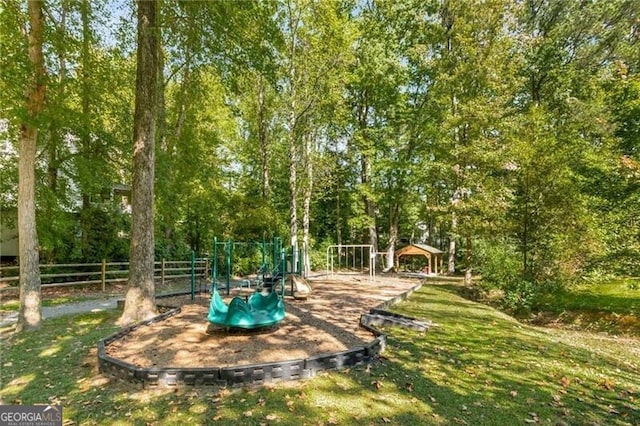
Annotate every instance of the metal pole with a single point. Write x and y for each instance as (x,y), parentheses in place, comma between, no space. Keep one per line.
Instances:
(214,272)
(353,252)
(228,262)
(193,275)
(372,267)
(284,269)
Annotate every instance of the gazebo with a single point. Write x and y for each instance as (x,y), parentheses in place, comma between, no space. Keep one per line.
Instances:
(433,255)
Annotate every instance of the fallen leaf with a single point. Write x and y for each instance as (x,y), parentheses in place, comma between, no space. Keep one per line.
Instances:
(513,393)
(386,420)
(248,413)
(271,417)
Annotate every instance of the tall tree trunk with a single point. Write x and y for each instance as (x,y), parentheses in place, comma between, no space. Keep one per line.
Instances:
(451,267)
(163,153)
(161,123)
(55,143)
(370,206)
(306,219)
(262,140)
(338,218)
(365,178)
(30,313)
(85,136)
(169,148)
(394,218)
(293,157)
(468,262)
(293,190)
(140,298)
(447,21)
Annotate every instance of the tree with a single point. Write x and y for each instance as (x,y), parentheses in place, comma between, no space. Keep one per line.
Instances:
(140,297)
(30,314)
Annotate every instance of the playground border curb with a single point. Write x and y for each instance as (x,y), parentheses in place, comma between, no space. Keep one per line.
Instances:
(245,375)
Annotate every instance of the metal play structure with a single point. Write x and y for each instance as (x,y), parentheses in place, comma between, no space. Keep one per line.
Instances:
(264,262)
(359,258)
(263,304)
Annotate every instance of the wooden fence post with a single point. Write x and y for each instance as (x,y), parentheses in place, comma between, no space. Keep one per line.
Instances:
(162,274)
(104,275)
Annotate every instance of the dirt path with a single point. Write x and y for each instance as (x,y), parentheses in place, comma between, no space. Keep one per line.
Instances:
(10,318)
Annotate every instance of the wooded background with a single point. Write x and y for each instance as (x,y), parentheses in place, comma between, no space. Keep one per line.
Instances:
(505,133)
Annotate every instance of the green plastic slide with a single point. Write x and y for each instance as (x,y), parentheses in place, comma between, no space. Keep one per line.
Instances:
(260,311)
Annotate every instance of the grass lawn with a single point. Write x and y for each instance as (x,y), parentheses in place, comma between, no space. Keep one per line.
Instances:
(612,306)
(478,367)
(619,295)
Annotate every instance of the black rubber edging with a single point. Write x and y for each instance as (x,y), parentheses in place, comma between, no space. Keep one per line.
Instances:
(241,375)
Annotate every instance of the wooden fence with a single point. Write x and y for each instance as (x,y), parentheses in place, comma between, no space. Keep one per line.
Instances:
(79,274)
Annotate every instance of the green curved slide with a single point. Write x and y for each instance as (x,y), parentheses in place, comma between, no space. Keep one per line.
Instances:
(259,311)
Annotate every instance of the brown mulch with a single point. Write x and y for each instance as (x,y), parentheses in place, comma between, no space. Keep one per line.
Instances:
(326,322)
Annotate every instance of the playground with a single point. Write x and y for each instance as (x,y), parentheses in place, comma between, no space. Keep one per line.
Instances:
(326,322)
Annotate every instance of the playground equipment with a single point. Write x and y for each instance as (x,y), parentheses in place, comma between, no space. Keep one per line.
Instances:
(265,263)
(261,310)
(300,287)
(264,303)
(269,262)
(359,258)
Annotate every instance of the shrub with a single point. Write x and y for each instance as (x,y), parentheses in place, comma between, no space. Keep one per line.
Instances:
(500,268)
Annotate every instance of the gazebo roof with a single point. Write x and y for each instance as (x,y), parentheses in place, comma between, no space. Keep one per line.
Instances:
(428,248)
(418,249)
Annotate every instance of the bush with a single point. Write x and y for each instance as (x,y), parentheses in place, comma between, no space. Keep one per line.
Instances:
(498,264)
(500,268)
(520,296)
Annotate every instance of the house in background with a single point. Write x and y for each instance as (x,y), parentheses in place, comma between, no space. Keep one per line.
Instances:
(8,236)
(116,194)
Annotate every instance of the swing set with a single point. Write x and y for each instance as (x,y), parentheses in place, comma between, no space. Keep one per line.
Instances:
(355,258)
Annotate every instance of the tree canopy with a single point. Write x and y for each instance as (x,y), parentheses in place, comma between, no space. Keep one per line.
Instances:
(488,129)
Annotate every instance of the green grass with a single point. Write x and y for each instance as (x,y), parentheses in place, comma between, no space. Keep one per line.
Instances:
(612,307)
(621,296)
(478,367)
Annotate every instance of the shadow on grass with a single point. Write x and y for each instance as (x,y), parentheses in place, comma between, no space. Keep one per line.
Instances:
(477,367)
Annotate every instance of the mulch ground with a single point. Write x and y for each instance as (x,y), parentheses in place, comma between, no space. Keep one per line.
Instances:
(328,321)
